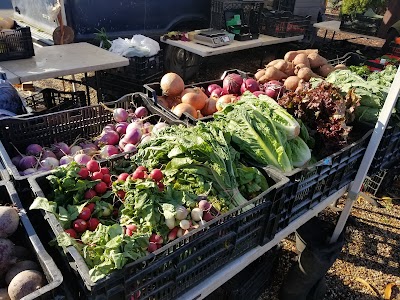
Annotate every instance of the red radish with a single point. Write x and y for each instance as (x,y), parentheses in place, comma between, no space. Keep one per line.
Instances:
(106,178)
(232,83)
(83,173)
(123,176)
(109,138)
(133,136)
(65,160)
(207,216)
(100,188)
(104,170)
(132,227)
(120,128)
(141,168)
(211,88)
(79,225)
(141,112)
(156,175)
(82,159)
(91,205)
(75,149)
(93,223)
(130,148)
(155,238)
(120,115)
(33,149)
(172,234)
(93,166)
(27,162)
(128,232)
(250,85)
(108,151)
(152,247)
(89,194)
(218,92)
(85,214)
(60,149)
(72,233)
(121,194)
(161,186)
(204,205)
(97,176)
(138,174)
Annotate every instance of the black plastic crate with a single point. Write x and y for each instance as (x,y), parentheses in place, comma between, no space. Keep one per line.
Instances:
(179,265)
(66,126)
(309,186)
(360,24)
(249,10)
(152,90)
(394,49)
(283,24)
(16,43)
(27,237)
(51,100)
(140,69)
(285,5)
(251,282)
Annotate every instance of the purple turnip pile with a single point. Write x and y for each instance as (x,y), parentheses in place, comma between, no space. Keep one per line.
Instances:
(129,130)
(18,275)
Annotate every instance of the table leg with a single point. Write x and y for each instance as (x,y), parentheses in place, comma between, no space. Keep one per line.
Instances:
(87,89)
(333,36)
(323,41)
(98,86)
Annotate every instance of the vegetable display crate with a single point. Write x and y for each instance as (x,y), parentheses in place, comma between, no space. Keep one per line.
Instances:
(26,236)
(179,265)
(251,282)
(311,185)
(153,90)
(16,43)
(51,100)
(140,69)
(249,12)
(66,126)
(283,24)
(360,24)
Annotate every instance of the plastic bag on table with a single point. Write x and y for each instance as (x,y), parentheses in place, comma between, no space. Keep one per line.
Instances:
(138,46)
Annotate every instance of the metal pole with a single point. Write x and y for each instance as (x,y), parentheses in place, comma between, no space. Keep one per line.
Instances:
(380,127)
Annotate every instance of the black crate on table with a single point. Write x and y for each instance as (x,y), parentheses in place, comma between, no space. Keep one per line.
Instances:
(16,43)
(51,100)
(152,90)
(26,236)
(360,24)
(251,282)
(140,69)
(66,126)
(249,10)
(309,186)
(283,24)
(179,265)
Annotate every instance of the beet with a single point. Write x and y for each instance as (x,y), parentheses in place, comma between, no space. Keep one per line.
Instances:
(6,255)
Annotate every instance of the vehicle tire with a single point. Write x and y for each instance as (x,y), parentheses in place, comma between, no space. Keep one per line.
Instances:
(174,62)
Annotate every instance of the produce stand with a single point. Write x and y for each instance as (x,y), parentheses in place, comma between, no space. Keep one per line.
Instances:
(62,60)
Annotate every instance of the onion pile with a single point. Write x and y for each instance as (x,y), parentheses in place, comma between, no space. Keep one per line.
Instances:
(125,135)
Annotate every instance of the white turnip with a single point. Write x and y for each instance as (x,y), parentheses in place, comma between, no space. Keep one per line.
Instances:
(184,224)
(82,159)
(196,214)
(50,162)
(181,212)
(9,220)
(159,126)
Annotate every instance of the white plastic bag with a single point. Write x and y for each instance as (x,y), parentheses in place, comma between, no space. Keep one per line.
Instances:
(138,46)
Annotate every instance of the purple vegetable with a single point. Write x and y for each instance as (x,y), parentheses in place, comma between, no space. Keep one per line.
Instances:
(108,138)
(120,128)
(141,112)
(89,149)
(61,149)
(145,139)
(43,169)
(16,159)
(147,127)
(33,149)
(75,149)
(159,126)
(138,124)
(122,144)
(65,160)
(133,136)
(108,151)
(82,159)
(109,127)
(130,148)
(48,153)
(28,171)
(120,115)
(27,162)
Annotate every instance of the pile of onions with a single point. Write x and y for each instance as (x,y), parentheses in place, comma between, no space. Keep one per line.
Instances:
(273,89)
(232,84)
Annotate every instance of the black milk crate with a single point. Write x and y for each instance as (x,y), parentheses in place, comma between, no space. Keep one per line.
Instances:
(51,100)
(360,24)
(249,10)
(309,186)
(283,24)
(152,90)
(285,5)
(65,126)
(16,43)
(140,69)
(26,236)
(179,265)
(251,282)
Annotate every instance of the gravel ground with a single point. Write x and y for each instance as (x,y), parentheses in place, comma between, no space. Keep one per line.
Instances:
(371,251)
